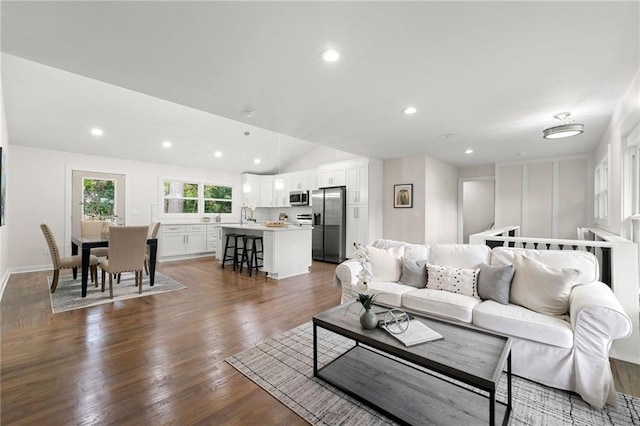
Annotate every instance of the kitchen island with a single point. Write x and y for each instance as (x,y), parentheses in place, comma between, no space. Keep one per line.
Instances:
(287,250)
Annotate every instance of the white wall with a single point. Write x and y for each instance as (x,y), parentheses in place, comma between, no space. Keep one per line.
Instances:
(317,156)
(404,224)
(441,202)
(546,198)
(39,194)
(4,230)
(624,118)
(478,204)
(433,218)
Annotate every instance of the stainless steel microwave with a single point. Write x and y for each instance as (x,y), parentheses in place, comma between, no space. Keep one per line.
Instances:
(299,198)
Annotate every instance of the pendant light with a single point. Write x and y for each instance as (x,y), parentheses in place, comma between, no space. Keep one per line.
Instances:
(566,128)
(279,182)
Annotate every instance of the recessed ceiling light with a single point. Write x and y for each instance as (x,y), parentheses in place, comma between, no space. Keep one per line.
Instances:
(446,135)
(329,55)
(410,110)
(468,151)
(247,133)
(256,161)
(218,154)
(521,154)
(97,132)
(166,144)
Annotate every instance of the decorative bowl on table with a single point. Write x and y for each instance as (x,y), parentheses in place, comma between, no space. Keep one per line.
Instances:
(206,219)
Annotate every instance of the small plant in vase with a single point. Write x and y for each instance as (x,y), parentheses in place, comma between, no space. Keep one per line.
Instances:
(368,319)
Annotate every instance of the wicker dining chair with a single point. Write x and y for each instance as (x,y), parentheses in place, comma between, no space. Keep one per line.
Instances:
(65,262)
(126,254)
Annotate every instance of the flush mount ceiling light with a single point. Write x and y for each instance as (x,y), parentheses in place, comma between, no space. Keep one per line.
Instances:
(97,132)
(218,154)
(468,151)
(166,144)
(567,127)
(410,110)
(329,55)
(256,161)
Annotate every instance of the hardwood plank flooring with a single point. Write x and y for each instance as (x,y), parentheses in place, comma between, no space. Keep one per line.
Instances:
(160,359)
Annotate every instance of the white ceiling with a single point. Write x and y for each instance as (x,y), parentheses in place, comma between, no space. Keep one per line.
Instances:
(492,74)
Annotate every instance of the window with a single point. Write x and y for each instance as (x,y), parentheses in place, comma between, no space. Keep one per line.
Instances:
(601,191)
(180,197)
(217,199)
(98,199)
(185,197)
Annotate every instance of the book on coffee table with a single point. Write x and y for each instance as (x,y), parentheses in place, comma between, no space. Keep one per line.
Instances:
(415,334)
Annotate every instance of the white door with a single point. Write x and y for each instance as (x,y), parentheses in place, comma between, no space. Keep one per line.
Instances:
(97,196)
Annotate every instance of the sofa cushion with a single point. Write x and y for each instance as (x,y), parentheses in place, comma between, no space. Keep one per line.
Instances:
(457,280)
(440,303)
(459,255)
(521,322)
(542,288)
(586,263)
(414,272)
(494,282)
(389,293)
(416,252)
(385,263)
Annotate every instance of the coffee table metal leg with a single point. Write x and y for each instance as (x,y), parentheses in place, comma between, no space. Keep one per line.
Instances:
(315,351)
(508,386)
(492,408)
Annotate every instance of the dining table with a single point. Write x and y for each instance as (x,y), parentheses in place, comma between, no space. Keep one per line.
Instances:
(86,243)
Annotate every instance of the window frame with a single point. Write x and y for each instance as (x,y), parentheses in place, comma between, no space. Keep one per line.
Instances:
(601,180)
(221,200)
(200,199)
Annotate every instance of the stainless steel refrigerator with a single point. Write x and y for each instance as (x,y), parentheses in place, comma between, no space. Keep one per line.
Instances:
(329,207)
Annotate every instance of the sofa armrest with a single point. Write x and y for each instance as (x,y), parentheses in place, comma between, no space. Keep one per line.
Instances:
(594,309)
(597,318)
(347,274)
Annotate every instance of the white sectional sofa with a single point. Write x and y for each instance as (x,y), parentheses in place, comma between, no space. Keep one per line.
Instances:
(566,350)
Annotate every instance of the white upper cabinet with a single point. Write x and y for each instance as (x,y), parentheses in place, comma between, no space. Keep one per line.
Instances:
(251,186)
(299,181)
(358,183)
(266,191)
(281,196)
(332,175)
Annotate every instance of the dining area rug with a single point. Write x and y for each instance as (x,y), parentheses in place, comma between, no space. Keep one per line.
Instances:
(68,295)
(283,366)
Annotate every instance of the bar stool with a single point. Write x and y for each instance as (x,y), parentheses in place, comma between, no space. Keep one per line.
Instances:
(238,251)
(250,253)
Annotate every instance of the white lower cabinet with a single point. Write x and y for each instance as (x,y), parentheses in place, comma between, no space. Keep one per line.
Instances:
(179,240)
(357,227)
(212,238)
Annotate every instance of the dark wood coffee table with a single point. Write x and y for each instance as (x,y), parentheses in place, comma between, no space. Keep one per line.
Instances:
(408,394)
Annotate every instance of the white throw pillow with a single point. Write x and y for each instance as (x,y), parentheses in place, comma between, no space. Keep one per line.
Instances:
(385,263)
(542,288)
(456,280)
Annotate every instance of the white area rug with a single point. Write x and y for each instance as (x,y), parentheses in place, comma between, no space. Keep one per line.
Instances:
(283,366)
(68,295)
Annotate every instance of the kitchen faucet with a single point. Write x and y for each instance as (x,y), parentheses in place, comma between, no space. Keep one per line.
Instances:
(243,215)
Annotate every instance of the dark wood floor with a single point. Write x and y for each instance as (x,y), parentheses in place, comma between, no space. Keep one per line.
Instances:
(160,359)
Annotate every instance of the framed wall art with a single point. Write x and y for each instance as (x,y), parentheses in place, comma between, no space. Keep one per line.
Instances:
(403,195)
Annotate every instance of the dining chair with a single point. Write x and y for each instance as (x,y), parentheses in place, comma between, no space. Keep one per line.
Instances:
(93,228)
(65,262)
(126,254)
(153,233)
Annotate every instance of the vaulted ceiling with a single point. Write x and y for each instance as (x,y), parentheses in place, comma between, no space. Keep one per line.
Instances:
(483,75)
